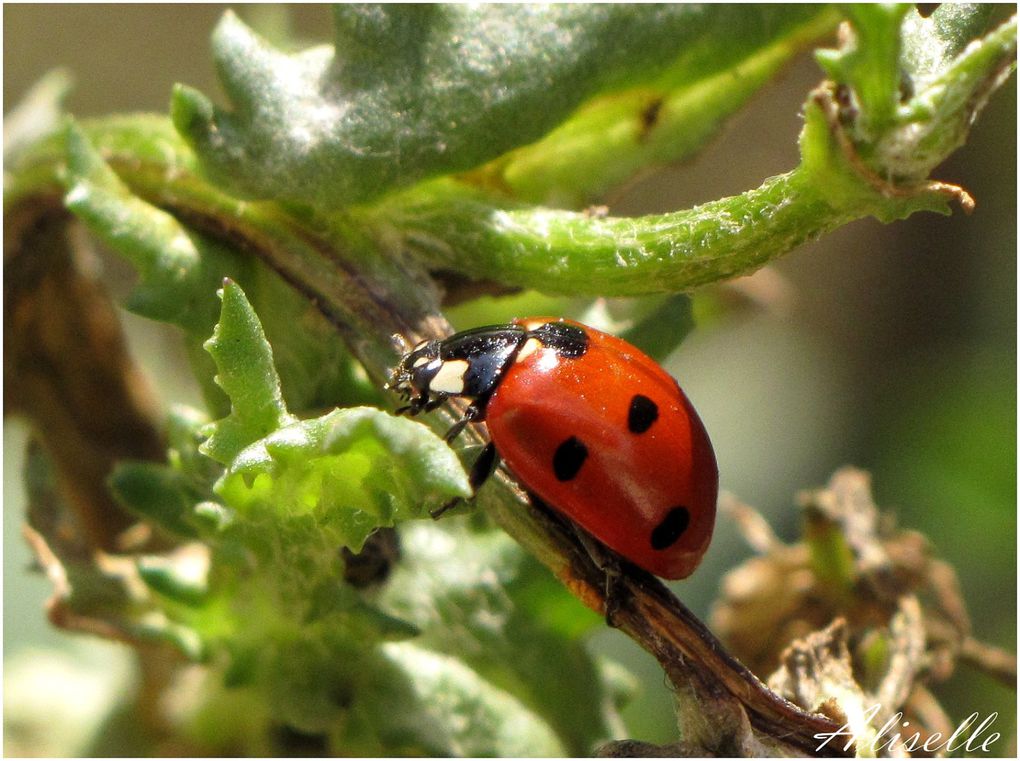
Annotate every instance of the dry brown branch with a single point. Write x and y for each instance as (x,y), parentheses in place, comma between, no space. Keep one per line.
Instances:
(898,611)
(66,366)
(723,708)
(816,671)
(991,660)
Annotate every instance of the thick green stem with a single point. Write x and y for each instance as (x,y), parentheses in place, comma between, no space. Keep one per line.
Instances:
(562,252)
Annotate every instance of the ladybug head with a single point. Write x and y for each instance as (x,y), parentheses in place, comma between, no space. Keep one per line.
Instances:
(412,377)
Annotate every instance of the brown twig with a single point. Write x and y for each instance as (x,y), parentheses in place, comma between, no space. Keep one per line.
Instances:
(66,365)
(906,646)
(989,659)
(58,611)
(928,714)
(745,711)
(751,524)
(906,619)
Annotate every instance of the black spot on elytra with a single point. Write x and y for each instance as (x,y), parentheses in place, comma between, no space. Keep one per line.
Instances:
(671,528)
(568,459)
(642,413)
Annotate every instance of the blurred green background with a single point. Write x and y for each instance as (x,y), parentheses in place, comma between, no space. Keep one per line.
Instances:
(892,348)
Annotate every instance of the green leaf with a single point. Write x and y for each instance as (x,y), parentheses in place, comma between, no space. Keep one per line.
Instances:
(343,475)
(667,119)
(930,44)
(364,621)
(316,369)
(157,493)
(157,628)
(832,560)
(137,145)
(470,716)
(184,427)
(180,269)
(453,227)
(947,100)
(869,162)
(661,330)
(414,91)
(181,577)
(478,598)
(213,517)
(247,375)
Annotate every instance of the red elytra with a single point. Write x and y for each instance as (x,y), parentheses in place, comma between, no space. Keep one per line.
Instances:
(610,440)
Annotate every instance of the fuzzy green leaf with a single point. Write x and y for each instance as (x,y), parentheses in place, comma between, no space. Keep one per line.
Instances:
(316,369)
(466,715)
(948,98)
(478,598)
(247,374)
(667,119)
(180,269)
(344,474)
(413,91)
(157,493)
(173,578)
(930,44)
(559,252)
(883,174)
(136,144)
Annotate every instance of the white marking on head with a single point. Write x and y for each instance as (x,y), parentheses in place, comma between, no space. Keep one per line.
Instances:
(449,379)
(422,361)
(535,324)
(530,347)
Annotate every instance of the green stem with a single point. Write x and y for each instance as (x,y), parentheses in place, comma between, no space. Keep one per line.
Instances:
(450,226)
(564,252)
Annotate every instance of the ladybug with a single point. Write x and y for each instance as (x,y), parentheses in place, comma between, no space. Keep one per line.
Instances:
(588,423)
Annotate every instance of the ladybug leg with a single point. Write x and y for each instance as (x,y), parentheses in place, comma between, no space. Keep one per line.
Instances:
(614,592)
(421,404)
(603,558)
(474,413)
(609,564)
(434,403)
(484,466)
